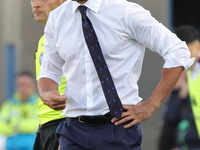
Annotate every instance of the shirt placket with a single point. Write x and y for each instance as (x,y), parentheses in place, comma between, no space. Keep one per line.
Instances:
(89,83)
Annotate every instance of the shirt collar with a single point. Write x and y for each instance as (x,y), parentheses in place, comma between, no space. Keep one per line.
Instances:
(94,5)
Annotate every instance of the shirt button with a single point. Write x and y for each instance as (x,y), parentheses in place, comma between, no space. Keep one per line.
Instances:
(89,80)
(89,100)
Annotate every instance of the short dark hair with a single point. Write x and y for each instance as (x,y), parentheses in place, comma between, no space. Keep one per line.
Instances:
(25,73)
(187,33)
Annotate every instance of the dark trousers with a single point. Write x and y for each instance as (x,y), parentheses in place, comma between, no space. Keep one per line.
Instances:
(46,137)
(74,135)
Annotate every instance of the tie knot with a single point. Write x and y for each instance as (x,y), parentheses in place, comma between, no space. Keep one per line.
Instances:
(82,9)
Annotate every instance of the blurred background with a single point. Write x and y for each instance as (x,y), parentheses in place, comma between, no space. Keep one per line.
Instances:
(19,35)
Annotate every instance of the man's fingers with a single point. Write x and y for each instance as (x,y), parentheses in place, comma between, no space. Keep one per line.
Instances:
(134,114)
(132,123)
(57,99)
(58,107)
(126,119)
(114,120)
(124,114)
(56,103)
(126,107)
(64,98)
(123,120)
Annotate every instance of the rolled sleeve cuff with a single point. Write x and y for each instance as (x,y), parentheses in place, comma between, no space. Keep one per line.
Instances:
(54,78)
(174,62)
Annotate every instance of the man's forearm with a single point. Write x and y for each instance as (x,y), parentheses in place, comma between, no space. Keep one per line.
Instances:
(46,85)
(169,79)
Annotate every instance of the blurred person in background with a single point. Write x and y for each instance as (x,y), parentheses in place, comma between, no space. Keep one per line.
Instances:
(50,118)
(180,121)
(19,119)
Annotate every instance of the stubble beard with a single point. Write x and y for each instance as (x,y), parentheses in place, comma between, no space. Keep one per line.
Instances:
(78,0)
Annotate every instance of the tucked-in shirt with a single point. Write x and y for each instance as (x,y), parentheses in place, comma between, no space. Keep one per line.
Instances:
(124,30)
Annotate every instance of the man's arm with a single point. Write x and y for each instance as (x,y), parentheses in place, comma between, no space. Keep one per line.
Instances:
(48,92)
(143,110)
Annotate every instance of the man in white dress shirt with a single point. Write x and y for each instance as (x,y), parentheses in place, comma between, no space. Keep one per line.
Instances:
(124,30)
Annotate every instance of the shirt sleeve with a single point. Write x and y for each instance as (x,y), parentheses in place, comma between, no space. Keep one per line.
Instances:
(155,36)
(52,63)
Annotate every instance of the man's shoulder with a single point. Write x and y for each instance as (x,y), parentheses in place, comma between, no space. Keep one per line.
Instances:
(120,2)
(66,6)
(123,5)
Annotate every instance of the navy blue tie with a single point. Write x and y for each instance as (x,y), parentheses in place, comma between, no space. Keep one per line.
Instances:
(103,72)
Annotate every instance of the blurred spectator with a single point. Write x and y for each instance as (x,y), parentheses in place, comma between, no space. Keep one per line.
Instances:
(179,130)
(19,119)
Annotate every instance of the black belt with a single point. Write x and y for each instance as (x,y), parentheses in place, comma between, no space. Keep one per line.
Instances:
(101,119)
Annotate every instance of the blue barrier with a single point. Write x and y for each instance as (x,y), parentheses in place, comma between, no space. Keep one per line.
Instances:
(10,70)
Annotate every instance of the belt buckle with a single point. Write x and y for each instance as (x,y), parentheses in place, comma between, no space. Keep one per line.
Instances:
(79,119)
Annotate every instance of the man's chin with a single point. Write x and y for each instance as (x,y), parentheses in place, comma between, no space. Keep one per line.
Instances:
(78,0)
(39,19)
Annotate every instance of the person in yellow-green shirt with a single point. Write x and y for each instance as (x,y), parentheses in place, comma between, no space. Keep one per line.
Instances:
(18,115)
(50,118)
(181,124)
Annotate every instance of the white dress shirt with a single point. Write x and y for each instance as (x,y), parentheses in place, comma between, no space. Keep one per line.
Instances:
(124,30)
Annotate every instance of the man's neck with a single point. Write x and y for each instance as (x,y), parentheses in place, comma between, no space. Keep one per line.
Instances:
(81,1)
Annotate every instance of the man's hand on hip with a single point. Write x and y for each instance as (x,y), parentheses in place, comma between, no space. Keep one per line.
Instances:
(137,113)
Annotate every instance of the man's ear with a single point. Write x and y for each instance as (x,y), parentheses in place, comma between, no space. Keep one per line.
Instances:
(199,46)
